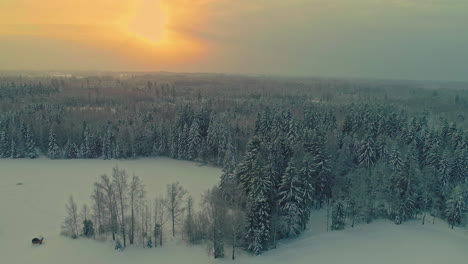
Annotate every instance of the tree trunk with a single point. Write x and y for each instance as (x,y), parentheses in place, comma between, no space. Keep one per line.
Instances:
(160,236)
(132,226)
(123,221)
(173,222)
(328,214)
(423,218)
(233,246)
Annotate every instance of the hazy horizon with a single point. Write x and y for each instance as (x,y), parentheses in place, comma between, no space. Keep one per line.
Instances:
(362,39)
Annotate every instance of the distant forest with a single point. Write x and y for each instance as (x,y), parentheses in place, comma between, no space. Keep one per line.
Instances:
(365,149)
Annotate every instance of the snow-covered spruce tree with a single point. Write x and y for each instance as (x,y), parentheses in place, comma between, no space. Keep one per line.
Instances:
(395,159)
(323,176)
(280,155)
(149,243)
(71,150)
(403,189)
(306,177)
(246,171)
(91,147)
(31,148)
(228,184)
(367,154)
(366,159)
(53,151)
(88,228)
(195,140)
(382,149)
(118,245)
(460,167)
(338,215)
(258,187)
(108,143)
(14,154)
(445,169)
(148,139)
(258,222)
(259,215)
(290,201)
(5,145)
(456,205)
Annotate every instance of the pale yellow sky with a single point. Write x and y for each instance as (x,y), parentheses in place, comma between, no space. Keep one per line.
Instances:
(412,39)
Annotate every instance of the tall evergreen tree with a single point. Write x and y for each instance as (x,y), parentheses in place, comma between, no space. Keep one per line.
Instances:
(323,177)
(14,154)
(338,216)
(257,185)
(456,206)
(306,177)
(405,196)
(108,143)
(290,201)
(5,145)
(31,148)
(195,140)
(53,151)
(445,169)
(71,150)
(367,155)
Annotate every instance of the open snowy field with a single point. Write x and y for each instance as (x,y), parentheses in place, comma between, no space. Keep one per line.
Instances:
(37,207)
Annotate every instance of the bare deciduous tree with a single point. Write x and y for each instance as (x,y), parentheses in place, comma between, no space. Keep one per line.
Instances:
(215,208)
(120,182)
(159,220)
(98,208)
(71,224)
(175,194)
(136,194)
(110,202)
(235,223)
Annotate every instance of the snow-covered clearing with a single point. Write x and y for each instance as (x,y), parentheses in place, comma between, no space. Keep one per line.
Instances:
(37,207)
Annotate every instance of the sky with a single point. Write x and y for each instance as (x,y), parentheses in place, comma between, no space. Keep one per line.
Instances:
(384,39)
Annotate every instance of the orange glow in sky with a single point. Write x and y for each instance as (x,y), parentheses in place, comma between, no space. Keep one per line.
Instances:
(417,39)
(142,30)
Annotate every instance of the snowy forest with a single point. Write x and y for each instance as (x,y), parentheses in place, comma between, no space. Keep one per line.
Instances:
(361,149)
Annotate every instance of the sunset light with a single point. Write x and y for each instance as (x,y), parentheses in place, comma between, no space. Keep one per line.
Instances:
(148,22)
(294,37)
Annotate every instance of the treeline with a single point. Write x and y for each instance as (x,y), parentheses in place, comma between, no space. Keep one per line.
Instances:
(12,91)
(195,135)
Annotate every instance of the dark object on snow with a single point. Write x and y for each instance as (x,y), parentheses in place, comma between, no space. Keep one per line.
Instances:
(37,241)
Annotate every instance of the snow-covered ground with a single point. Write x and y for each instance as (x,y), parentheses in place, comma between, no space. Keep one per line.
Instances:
(37,207)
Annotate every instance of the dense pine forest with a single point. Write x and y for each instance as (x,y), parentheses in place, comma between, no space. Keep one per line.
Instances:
(361,149)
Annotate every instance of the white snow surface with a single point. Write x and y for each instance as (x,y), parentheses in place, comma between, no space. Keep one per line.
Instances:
(37,207)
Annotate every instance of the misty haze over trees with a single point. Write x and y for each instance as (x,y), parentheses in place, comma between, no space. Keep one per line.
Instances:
(362,150)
